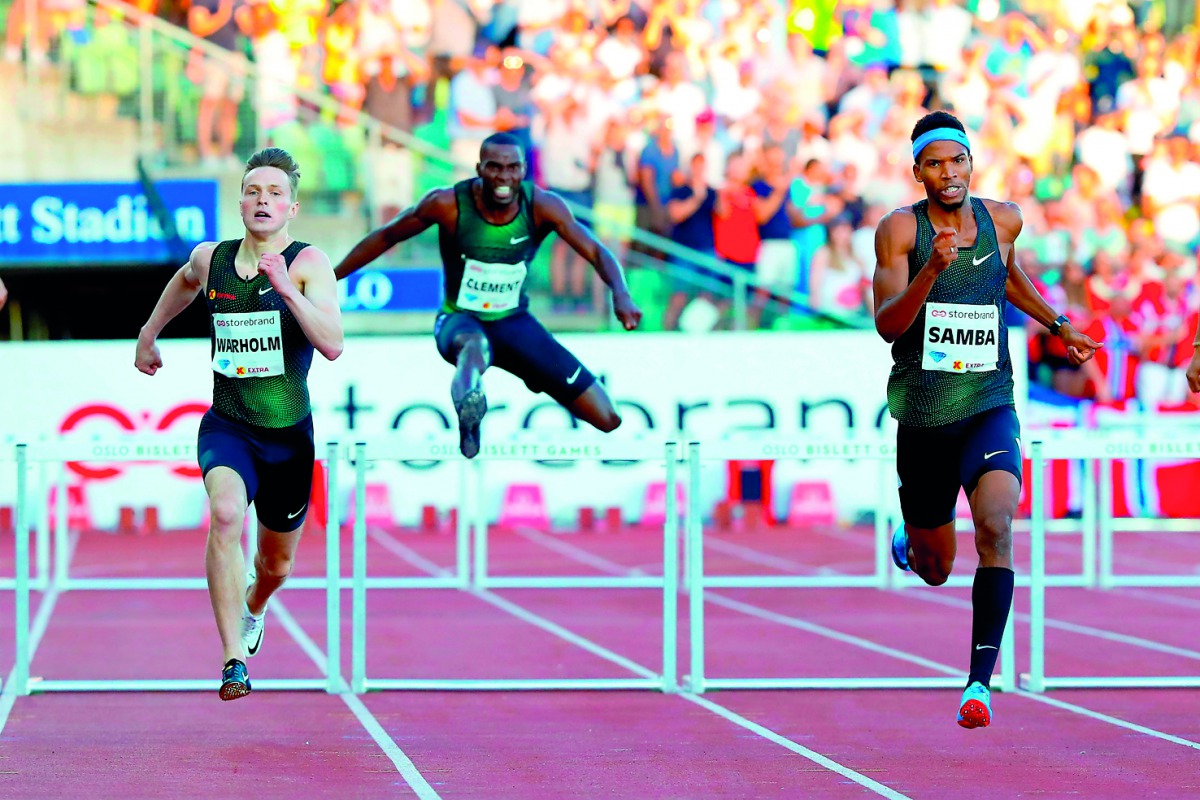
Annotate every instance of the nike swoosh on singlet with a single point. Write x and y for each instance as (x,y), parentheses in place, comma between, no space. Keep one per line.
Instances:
(511,240)
(264,291)
(978,261)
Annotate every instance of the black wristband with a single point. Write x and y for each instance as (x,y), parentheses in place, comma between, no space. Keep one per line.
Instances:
(1056,326)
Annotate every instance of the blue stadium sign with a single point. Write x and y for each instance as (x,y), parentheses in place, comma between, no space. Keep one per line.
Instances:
(54,224)
(408,289)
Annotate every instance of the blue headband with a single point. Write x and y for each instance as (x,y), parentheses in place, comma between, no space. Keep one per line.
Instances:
(939,135)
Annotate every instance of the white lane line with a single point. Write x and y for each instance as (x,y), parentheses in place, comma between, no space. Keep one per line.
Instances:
(37,629)
(1087,712)
(854,640)
(578,554)
(798,749)
(710,706)
(396,548)
(404,765)
(829,633)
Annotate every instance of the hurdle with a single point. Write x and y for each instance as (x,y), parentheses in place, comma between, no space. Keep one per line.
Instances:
(881,450)
(473,525)
(144,449)
(41,581)
(1101,448)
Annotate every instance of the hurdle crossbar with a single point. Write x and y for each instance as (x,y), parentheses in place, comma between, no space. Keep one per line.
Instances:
(1103,448)
(142,449)
(877,449)
(471,569)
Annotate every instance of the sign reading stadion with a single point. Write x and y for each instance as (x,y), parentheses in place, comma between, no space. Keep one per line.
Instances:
(97,223)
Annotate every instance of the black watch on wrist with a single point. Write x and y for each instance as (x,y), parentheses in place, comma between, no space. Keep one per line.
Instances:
(1056,326)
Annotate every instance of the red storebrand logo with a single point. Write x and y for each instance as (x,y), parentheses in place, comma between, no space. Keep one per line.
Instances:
(936,313)
(126,423)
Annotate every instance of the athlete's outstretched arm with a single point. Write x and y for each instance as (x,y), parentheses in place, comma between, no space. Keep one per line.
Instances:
(1024,295)
(310,291)
(434,208)
(551,208)
(179,293)
(898,300)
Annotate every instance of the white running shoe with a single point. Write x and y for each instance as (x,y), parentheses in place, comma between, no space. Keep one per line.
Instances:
(252,626)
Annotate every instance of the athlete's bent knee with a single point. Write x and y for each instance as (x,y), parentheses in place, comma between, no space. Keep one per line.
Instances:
(278,567)
(993,536)
(608,420)
(227,517)
(933,570)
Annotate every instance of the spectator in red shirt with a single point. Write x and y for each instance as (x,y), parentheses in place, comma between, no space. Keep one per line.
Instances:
(1162,315)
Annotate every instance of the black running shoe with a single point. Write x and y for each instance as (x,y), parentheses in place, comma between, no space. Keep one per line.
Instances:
(470,414)
(235,681)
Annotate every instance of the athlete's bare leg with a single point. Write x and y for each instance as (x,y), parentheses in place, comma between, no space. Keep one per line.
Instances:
(472,355)
(993,504)
(272,565)
(931,552)
(596,408)
(223,561)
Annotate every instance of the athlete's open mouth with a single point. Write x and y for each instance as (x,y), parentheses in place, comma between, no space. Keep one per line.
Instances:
(262,215)
(503,192)
(951,193)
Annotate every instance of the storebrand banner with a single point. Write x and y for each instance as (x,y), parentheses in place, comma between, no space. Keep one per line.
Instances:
(769,386)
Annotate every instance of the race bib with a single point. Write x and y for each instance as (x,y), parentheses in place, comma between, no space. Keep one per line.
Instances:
(248,345)
(961,338)
(490,287)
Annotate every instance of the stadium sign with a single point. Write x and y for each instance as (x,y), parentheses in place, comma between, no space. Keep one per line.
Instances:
(55,224)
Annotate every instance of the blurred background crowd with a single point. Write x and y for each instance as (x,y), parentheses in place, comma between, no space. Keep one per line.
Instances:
(773,136)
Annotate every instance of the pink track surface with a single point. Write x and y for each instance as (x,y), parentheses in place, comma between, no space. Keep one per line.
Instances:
(611,744)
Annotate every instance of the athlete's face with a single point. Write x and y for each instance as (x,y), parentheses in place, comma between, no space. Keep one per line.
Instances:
(267,204)
(945,169)
(501,168)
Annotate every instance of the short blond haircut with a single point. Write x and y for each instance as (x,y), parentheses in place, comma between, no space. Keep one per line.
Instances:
(280,159)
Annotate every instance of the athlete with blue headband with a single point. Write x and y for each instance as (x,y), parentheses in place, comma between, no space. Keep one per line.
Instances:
(945,270)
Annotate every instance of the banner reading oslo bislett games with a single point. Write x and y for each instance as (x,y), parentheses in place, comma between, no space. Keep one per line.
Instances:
(98,223)
(780,384)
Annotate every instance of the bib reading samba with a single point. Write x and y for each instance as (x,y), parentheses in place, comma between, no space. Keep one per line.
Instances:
(248,345)
(490,287)
(960,338)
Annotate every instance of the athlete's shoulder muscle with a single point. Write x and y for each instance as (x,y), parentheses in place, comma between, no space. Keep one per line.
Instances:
(1006,216)
(438,206)
(311,259)
(549,207)
(895,236)
(197,267)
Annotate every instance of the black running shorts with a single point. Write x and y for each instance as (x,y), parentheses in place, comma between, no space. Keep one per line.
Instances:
(276,464)
(520,345)
(932,463)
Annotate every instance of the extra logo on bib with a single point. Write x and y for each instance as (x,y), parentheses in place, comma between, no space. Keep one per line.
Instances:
(490,287)
(248,345)
(960,338)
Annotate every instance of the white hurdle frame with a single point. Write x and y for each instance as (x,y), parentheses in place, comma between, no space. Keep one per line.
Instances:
(1103,448)
(41,581)
(472,520)
(880,449)
(129,449)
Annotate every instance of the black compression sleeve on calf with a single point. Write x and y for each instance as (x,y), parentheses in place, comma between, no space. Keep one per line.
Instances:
(991,599)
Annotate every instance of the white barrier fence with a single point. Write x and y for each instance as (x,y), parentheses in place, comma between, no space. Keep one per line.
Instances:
(129,450)
(473,521)
(471,571)
(1102,449)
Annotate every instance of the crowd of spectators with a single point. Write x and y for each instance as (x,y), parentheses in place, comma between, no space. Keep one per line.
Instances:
(775,137)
